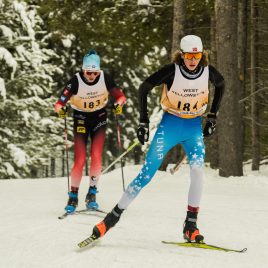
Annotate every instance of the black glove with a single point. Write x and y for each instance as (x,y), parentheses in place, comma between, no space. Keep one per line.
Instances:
(210,126)
(143,132)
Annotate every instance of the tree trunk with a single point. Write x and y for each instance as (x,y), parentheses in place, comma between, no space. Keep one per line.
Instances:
(52,167)
(241,57)
(253,85)
(212,142)
(46,171)
(179,9)
(229,122)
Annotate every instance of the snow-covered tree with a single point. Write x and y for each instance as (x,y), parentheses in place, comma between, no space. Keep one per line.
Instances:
(144,2)
(26,71)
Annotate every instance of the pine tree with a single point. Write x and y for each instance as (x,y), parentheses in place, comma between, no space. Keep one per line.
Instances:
(26,78)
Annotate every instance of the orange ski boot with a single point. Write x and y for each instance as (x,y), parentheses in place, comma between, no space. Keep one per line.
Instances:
(190,231)
(108,222)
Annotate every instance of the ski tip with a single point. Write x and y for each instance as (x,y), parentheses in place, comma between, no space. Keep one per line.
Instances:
(63,216)
(166,242)
(90,241)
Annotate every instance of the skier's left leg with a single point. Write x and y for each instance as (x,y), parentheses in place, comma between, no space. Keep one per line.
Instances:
(195,150)
(164,139)
(97,129)
(97,134)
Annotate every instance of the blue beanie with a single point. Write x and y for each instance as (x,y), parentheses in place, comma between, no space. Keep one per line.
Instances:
(91,61)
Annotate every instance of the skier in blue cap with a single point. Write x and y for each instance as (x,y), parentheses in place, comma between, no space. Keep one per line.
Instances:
(88,92)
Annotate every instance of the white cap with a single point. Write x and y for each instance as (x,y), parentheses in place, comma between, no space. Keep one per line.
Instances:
(191,43)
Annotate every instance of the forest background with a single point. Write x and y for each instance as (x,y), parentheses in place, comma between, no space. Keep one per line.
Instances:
(42,44)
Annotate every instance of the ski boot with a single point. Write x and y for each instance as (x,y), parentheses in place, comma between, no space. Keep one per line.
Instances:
(72,202)
(190,230)
(108,222)
(91,198)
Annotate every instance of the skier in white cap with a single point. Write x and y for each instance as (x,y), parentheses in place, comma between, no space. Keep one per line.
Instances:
(184,100)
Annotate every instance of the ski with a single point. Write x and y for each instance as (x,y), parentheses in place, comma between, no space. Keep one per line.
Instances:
(204,246)
(91,210)
(178,165)
(90,241)
(82,211)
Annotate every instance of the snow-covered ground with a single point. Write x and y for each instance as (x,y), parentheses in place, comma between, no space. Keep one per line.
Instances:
(234,213)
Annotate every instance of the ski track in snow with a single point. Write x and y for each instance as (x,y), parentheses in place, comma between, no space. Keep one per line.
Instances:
(233,214)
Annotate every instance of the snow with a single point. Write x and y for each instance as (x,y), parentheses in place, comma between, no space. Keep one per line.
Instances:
(8,58)
(134,78)
(46,122)
(144,2)
(67,41)
(26,115)
(10,170)
(163,52)
(233,214)
(147,60)
(25,20)
(2,88)
(7,32)
(19,156)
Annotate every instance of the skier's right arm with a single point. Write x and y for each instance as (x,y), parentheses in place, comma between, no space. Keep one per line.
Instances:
(164,75)
(70,89)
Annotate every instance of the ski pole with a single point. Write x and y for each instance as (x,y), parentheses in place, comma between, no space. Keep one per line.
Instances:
(119,150)
(178,165)
(135,143)
(66,148)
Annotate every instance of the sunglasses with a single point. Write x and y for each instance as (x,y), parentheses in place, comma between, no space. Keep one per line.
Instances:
(190,56)
(92,73)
